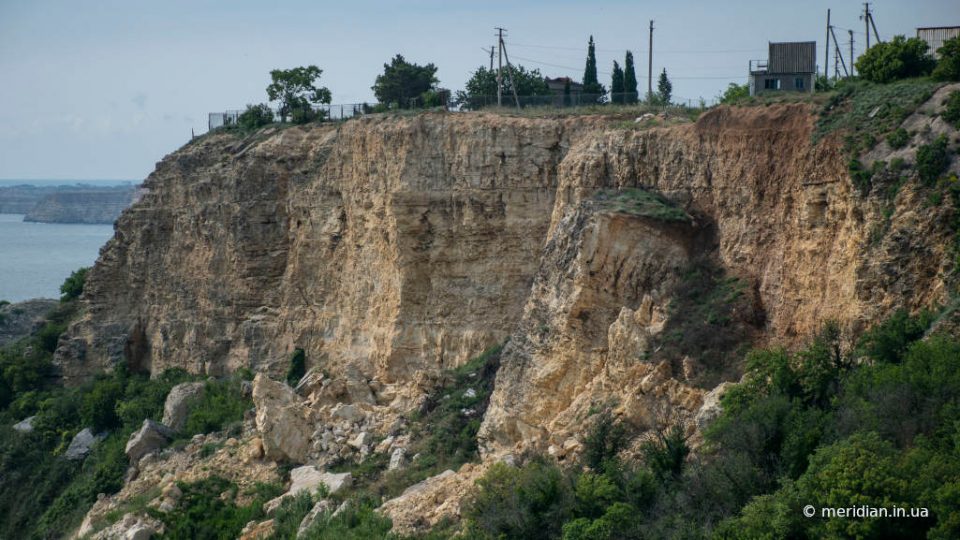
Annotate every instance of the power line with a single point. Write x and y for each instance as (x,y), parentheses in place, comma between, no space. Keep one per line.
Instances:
(576,69)
(638,51)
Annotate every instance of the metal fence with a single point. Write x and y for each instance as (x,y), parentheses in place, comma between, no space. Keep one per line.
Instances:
(345,111)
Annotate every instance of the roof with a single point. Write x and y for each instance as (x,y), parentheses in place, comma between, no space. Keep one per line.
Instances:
(792,57)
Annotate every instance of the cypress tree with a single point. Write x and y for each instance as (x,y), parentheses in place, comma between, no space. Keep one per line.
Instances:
(616,84)
(591,85)
(664,88)
(629,79)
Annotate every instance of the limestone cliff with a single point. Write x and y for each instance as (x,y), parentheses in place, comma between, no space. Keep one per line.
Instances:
(391,248)
(604,253)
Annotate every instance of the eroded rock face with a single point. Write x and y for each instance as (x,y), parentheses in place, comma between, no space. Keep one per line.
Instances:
(281,420)
(348,242)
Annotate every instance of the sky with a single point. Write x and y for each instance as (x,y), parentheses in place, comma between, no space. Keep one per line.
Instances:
(106,89)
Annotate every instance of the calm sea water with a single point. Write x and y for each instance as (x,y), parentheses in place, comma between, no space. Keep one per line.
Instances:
(35,258)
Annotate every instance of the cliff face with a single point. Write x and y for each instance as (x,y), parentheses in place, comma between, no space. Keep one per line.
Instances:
(84,206)
(390,249)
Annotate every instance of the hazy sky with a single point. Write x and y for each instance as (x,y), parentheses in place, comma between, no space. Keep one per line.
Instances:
(105,89)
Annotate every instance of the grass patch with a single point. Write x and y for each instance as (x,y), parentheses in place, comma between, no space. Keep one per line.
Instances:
(867,112)
(640,202)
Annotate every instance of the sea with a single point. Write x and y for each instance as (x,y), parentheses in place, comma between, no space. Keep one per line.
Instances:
(35,258)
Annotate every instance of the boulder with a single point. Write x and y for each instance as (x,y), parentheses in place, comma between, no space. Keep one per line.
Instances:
(281,421)
(257,531)
(323,506)
(362,439)
(309,478)
(397,459)
(309,382)
(81,444)
(348,412)
(151,436)
(179,401)
(25,425)
(711,407)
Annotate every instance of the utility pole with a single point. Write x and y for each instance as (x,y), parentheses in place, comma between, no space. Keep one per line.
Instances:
(826,50)
(839,56)
(513,86)
(499,66)
(490,52)
(866,21)
(875,33)
(851,52)
(650,67)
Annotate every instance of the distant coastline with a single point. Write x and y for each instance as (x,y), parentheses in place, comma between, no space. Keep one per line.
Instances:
(67,201)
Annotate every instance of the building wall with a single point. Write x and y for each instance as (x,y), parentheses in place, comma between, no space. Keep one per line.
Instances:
(787,82)
(936,36)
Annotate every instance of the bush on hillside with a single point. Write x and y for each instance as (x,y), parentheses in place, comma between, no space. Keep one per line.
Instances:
(256,116)
(898,138)
(899,58)
(932,160)
(73,286)
(948,67)
(951,111)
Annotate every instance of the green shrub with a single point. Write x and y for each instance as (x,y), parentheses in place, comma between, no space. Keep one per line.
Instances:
(886,342)
(951,111)
(606,438)
(898,138)
(222,404)
(899,58)
(531,501)
(203,514)
(73,286)
(932,160)
(948,67)
(99,408)
(860,176)
(666,453)
(286,520)
(255,117)
(298,367)
(734,93)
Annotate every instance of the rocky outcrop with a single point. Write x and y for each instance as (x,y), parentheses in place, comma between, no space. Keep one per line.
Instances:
(281,420)
(180,400)
(22,318)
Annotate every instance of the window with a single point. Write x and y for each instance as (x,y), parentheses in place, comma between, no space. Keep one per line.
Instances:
(798,83)
(771,84)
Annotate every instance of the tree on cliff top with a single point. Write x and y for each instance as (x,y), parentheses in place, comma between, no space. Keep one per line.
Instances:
(898,58)
(403,83)
(629,78)
(591,85)
(482,86)
(296,91)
